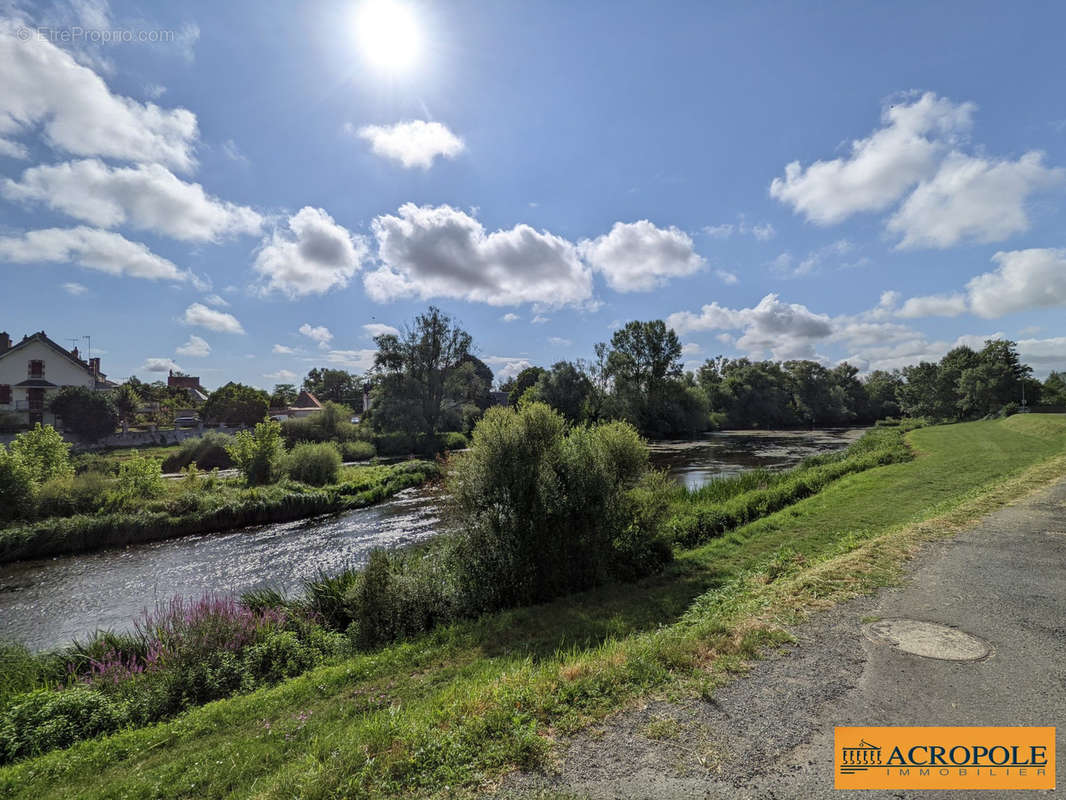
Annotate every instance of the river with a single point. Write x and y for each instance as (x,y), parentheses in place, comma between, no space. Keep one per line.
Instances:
(49,602)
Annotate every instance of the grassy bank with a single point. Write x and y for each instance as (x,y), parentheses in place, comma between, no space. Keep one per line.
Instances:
(204,504)
(446,713)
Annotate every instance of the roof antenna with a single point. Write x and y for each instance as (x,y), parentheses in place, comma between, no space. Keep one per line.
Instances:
(89,347)
(73,342)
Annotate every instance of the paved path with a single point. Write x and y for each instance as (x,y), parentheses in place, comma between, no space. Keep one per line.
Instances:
(770,735)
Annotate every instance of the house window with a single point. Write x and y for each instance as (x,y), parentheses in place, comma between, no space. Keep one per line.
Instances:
(36,369)
(5,394)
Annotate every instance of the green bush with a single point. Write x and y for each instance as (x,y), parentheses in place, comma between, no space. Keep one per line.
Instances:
(314,464)
(16,486)
(44,720)
(279,656)
(206,452)
(357,451)
(397,443)
(544,510)
(399,595)
(95,462)
(43,452)
(452,440)
(81,494)
(139,478)
(258,455)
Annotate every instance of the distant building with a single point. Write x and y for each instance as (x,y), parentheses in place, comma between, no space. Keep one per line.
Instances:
(35,369)
(306,404)
(499,398)
(191,384)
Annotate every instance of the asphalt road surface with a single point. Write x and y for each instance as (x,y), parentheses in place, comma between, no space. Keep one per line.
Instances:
(770,734)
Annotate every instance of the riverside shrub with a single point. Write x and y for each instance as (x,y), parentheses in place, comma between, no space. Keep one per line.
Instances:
(314,464)
(16,486)
(258,455)
(207,452)
(43,452)
(546,510)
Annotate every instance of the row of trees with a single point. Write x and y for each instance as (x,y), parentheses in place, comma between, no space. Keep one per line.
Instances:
(426,379)
(638,377)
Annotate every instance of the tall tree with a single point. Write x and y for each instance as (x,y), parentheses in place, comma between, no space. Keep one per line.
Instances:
(643,358)
(566,389)
(335,385)
(413,367)
(236,404)
(284,395)
(89,414)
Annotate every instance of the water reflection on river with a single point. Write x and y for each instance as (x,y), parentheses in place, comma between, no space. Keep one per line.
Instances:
(716,455)
(48,603)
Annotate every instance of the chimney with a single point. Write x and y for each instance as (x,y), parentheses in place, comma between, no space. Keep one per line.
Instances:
(5,342)
(74,353)
(94,367)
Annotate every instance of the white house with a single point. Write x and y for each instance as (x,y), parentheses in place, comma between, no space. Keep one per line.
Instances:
(35,369)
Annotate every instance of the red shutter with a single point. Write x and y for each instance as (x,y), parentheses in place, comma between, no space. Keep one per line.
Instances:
(36,369)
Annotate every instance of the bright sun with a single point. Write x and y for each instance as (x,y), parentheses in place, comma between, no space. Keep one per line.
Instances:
(388,34)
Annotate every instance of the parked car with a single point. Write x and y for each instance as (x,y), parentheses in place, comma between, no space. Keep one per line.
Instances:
(186,422)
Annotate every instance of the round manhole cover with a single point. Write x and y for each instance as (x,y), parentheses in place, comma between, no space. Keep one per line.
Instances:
(928,639)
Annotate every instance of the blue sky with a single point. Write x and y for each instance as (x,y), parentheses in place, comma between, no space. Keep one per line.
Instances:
(245,197)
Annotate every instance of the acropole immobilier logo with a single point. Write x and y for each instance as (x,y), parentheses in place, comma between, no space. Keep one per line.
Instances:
(945,758)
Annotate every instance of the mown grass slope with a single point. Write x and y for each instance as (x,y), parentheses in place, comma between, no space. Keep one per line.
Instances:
(447,713)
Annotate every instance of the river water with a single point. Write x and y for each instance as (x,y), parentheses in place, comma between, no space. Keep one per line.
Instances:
(49,602)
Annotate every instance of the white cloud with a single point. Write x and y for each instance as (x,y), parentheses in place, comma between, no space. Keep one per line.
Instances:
(509,317)
(159,365)
(1044,353)
(506,367)
(319,334)
(74,288)
(379,329)
(937,305)
(282,350)
(638,256)
(972,198)
(195,347)
(1024,279)
(761,231)
(691,349)
(440,251)
(361,360)
(723,231)
(312,254)
(879,169)
(216,300)
(726,277)
(91,248)
(201,316)
(785,330)
(559,341)
(147,197)
(282,375)
(414,144)
(44,86)
(540,319)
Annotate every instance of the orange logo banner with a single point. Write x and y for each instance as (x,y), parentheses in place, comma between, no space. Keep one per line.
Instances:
(945,758)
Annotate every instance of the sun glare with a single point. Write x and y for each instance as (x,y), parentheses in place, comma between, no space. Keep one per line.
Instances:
(388,34)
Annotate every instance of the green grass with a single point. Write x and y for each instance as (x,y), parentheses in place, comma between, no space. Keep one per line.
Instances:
(446,714)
